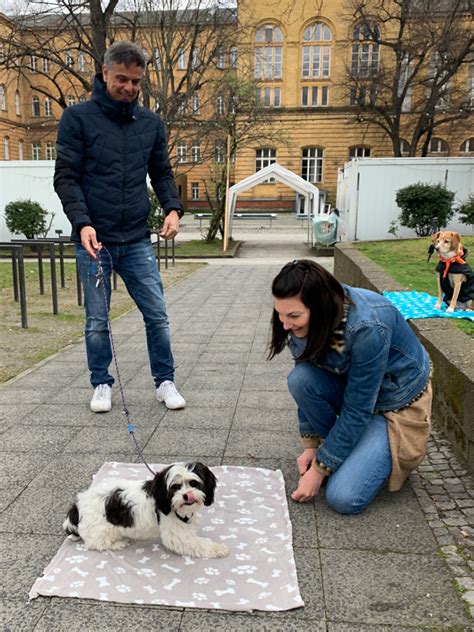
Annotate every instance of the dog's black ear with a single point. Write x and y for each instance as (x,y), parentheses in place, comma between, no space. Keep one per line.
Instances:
(161,493)
(209,481)
(431,249)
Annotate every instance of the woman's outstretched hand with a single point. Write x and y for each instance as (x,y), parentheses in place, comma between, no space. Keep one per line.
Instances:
(311,478)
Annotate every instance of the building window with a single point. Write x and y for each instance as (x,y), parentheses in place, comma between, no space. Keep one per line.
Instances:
(438,146)
(182,60)
(50,151)
(195,190)
(45,65)
(69,59)
(70,100)
(233,56)
(82,63)
(220,57)
(195,104)
(3,98)
(468,146)
(312,164)
(313,96)
(48,110)
(263,157)
(35,102)
(195,152)
(404,86)
(181,153)
(33,63)
(6,148)
(220,106)
(219,151)
(470,83)
(20,150)
(364,95)
(359,152)
(82,98)
(365,50)
(268,53)
(271,97)
(316,55)
(36,151)
(17,104)
(404,147)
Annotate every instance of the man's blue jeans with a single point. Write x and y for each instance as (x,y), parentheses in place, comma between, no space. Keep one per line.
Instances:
(136,264)
(319,395)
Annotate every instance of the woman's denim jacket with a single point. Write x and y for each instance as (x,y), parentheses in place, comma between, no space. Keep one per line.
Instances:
(383,366)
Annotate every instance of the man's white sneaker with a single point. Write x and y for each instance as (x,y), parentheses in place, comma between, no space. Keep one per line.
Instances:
(168,393)
(101,401)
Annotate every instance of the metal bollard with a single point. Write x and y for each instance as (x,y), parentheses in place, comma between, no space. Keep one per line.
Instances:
(54,287)
(16,294)
(21,274)
(40,269)
(78,287)
(61,262)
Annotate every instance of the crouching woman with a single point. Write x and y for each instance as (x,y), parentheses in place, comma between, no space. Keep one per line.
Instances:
(361,382)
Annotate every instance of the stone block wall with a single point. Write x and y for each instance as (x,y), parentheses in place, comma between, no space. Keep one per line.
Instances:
(451,351)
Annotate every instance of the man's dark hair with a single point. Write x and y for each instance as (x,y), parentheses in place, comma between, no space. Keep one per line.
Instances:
(321,293)
(126,53)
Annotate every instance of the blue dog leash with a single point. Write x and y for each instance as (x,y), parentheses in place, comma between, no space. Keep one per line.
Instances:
(131,428)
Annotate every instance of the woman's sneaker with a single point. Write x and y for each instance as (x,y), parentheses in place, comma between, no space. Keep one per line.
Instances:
(101,401)
(168,393)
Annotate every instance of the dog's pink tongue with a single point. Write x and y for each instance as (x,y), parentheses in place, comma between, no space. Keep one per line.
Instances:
(190,498)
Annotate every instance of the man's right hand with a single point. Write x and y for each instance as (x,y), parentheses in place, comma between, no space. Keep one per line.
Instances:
(89,241)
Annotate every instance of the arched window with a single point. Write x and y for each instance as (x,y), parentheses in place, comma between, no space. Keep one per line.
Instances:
(82,61)
(36,151)
(268,52)
(468,146)
(219,151)
(6,148)
(365,50)
(35,103)
(312,164)
(17,104)
(360,151)
(70,100)
(316,51)
(220,105)
(438,146)
(3,98)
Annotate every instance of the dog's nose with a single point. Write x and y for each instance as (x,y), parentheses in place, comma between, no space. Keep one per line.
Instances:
(189,498)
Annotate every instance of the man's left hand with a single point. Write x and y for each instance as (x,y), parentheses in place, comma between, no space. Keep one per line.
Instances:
(170,225)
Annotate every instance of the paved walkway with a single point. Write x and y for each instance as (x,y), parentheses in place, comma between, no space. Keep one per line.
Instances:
(391,568)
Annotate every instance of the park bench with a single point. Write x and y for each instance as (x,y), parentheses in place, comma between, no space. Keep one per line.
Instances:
(251,216)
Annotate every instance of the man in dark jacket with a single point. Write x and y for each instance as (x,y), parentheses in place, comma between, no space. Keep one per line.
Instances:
(106,147)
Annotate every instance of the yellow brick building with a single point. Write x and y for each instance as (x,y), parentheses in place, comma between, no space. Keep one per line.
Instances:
(299,52)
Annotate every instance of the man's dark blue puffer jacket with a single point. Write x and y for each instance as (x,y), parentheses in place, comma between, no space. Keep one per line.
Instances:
(105,149)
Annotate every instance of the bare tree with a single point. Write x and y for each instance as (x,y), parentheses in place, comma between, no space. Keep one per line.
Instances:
(406,70)
(244,122)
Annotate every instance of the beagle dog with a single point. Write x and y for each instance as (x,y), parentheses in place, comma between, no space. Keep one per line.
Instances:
(455,276)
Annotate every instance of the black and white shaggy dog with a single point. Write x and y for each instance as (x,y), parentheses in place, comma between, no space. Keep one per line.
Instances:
(106,516)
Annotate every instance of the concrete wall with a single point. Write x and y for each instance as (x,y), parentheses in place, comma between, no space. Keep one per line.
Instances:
(451,351)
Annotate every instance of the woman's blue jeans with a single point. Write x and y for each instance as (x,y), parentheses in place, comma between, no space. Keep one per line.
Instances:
(136,265)
(319,395)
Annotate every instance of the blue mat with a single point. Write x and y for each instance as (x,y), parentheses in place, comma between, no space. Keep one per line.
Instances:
(422,305)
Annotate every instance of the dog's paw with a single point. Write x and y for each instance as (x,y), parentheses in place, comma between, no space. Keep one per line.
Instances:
(450,310)
(215,549)
(438,306)
(117,545)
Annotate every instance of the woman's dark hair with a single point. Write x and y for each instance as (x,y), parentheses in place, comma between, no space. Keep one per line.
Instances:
(321,293)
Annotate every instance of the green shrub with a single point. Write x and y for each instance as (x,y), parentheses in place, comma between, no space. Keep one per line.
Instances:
(425,207)
(466,211)
(156,216)
(26,217)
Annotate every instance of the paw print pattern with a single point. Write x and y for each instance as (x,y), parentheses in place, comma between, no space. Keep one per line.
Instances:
(119,570)
(210,570)
(202,580)
(244,570)
(199,596)
(122,588)
(76,559)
